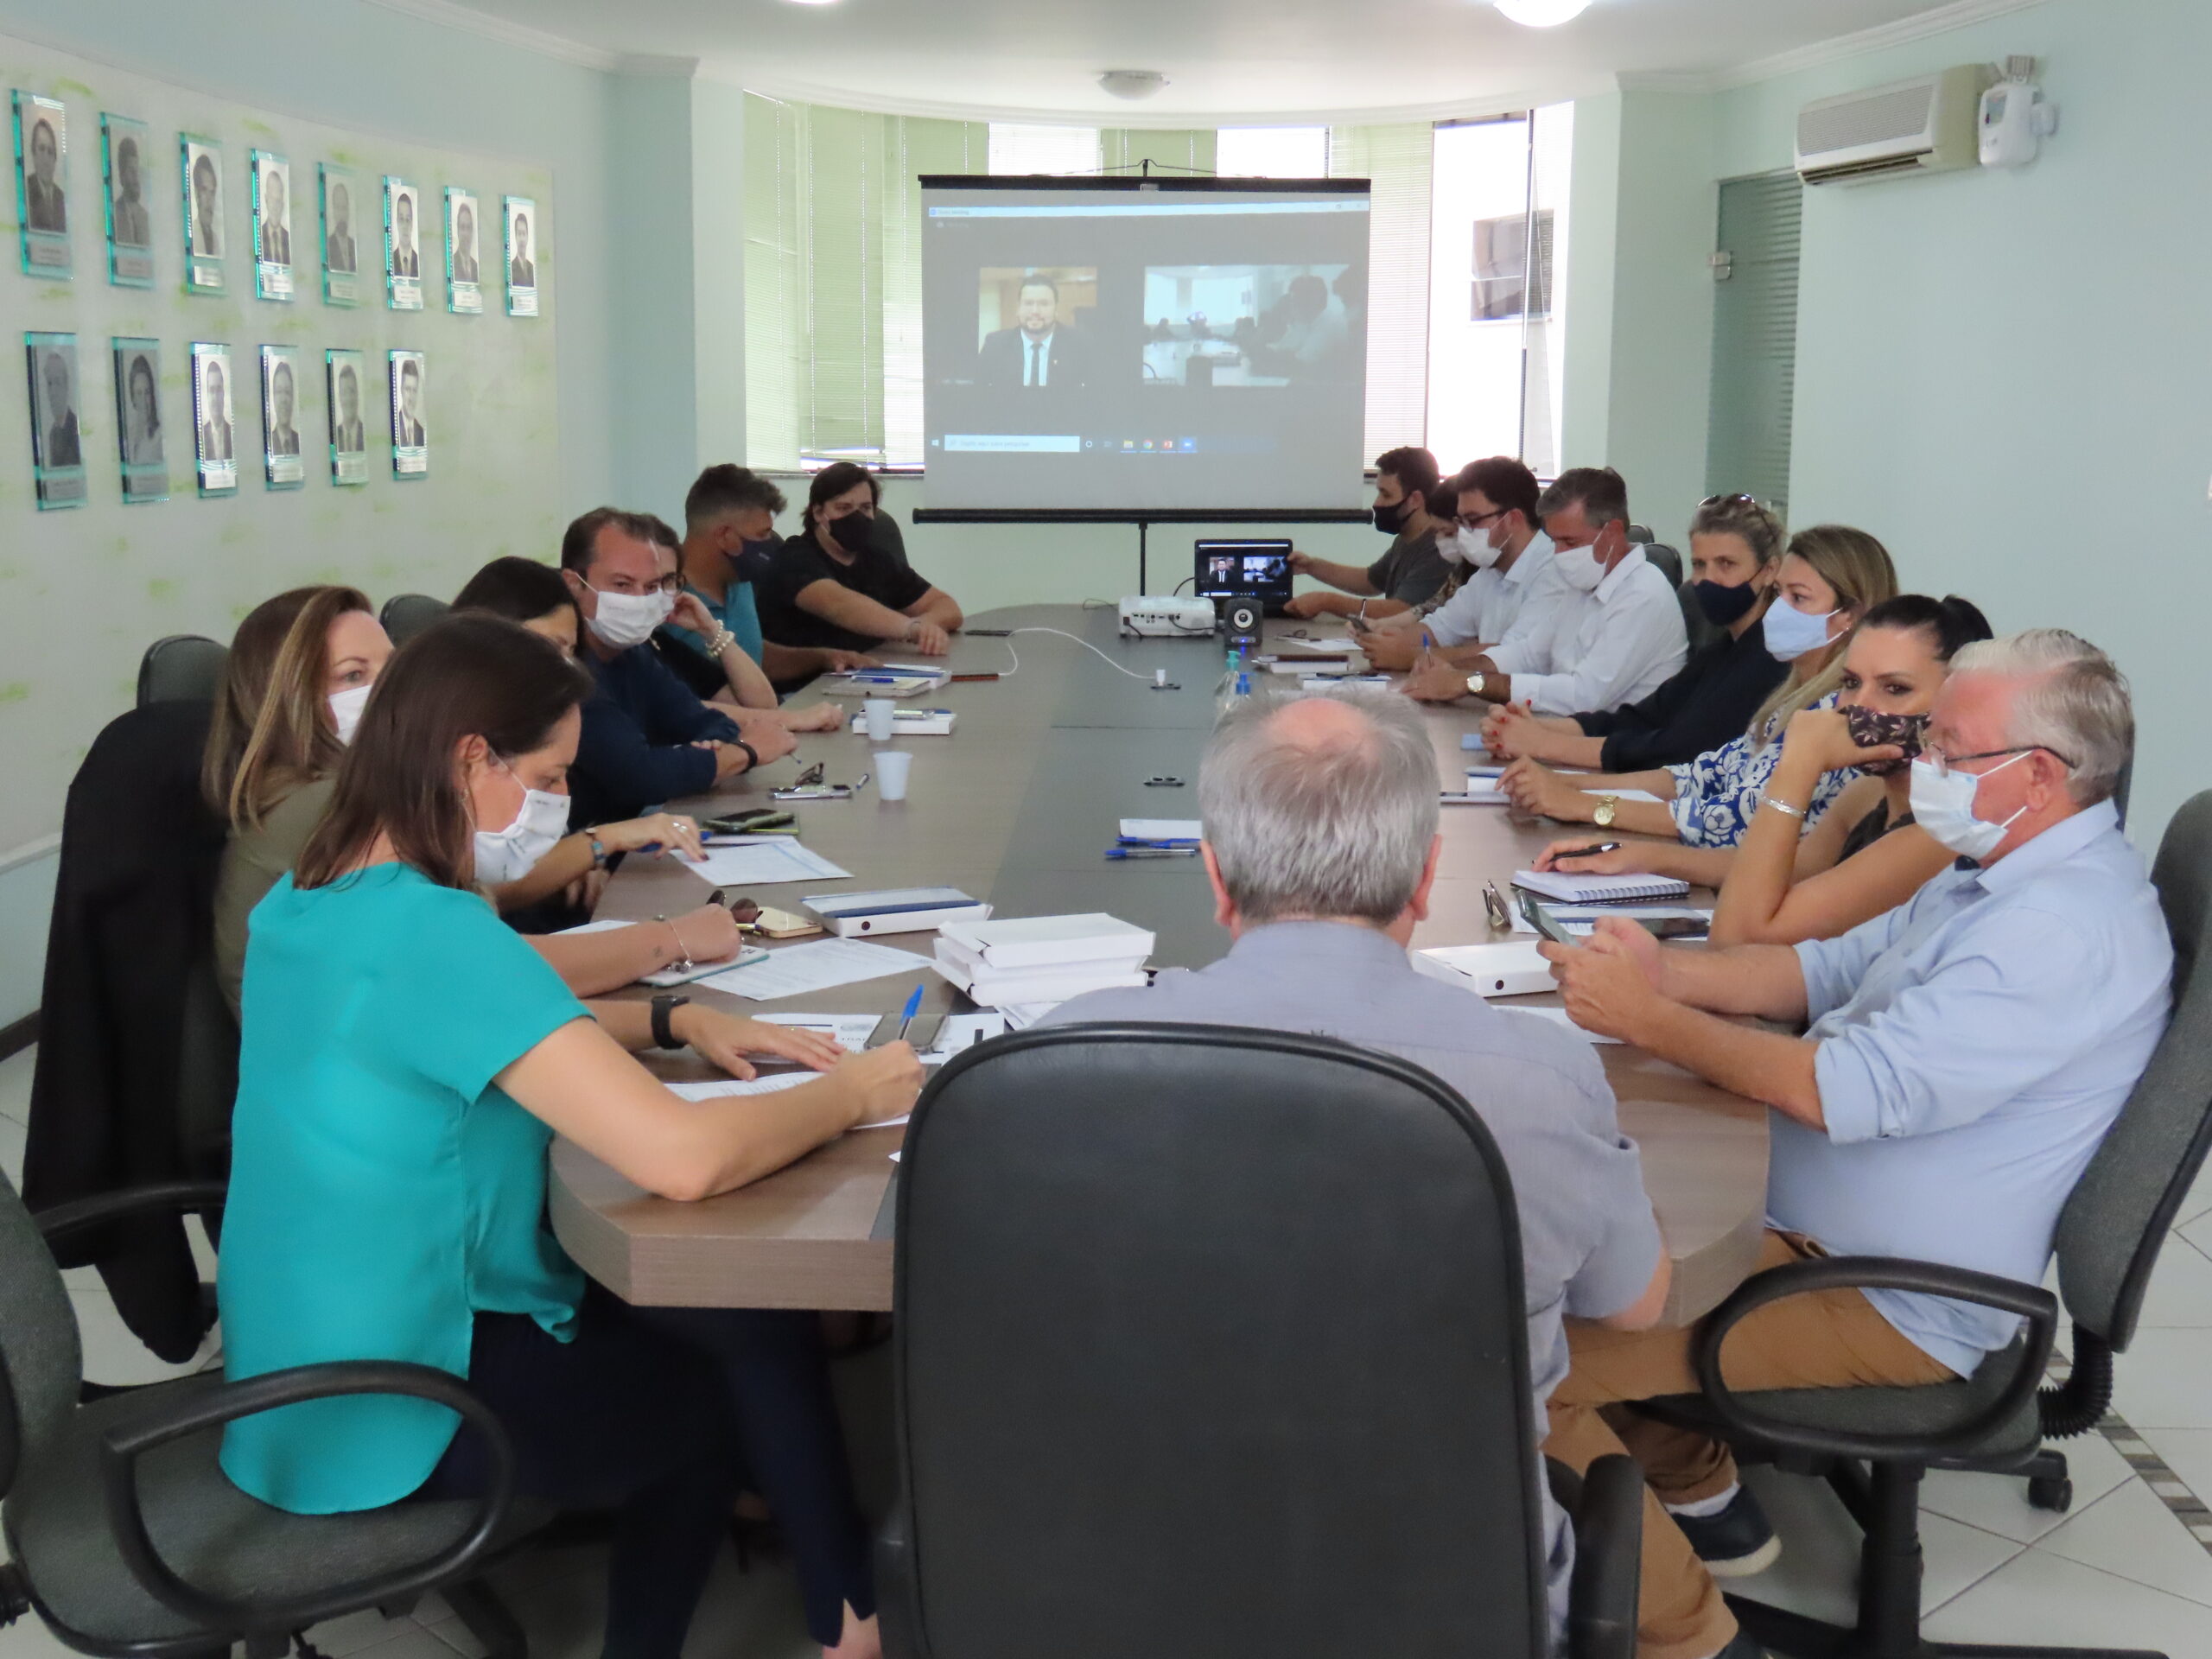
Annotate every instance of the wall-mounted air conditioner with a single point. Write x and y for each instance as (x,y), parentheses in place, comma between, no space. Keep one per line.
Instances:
(1923,125)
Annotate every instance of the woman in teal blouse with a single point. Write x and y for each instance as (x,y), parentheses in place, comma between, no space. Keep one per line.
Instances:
(405,1061)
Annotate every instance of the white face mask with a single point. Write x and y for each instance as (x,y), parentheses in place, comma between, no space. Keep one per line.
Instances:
(1453,547)
(1579,566)
(1791,632)
(345,709)
(1942,805)
(621,620)
(509,854)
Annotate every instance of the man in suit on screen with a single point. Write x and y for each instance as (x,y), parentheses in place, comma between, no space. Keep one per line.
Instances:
(1039,351)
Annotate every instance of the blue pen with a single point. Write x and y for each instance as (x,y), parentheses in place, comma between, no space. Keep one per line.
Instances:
(914,1007)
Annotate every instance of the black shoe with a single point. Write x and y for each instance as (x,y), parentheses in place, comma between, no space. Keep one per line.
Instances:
(1735,1543)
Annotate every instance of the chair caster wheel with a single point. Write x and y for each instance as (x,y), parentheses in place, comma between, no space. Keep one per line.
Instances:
(2055,1494)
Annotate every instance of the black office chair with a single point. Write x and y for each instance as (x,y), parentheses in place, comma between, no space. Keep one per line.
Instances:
(2109,1235)
(126,1537)
(182,668)
(1211,1342)
(405,615)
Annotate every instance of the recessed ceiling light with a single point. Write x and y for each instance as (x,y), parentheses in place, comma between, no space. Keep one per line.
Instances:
(1543,14)
(1133,83)
(814,2)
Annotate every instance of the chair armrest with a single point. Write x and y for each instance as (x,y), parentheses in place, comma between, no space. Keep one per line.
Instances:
(897,1605)
(1608,1551)
(61,1223)
(126,1442)
(2037,1306)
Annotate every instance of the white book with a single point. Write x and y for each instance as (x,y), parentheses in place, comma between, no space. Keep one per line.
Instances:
(899,910)
(1513,968)
(1003,988)
(1598,889)
(1049,941)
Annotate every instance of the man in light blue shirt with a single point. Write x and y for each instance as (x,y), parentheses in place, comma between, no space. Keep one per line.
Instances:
(1965,1057)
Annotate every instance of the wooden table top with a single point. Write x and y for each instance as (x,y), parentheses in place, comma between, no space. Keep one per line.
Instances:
(1016,806)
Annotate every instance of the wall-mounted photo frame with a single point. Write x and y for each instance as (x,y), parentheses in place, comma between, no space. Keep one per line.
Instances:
(205,248)
(272,224)
(403,245)
(411,443)
(283,466)
(347,377)
(214,435)
(520,213)
(143,441)
(464,293)
(57,445)
(42,185)
(341,194)
(124,146)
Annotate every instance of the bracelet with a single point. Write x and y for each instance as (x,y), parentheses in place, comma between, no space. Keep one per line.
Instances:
(723,641)
(683,964)
(1782,807)
(598,850)
(752,754)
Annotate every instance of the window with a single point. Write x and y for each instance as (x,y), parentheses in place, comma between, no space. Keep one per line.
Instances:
(1043,149)
(1273,153)
(1755,339)
(1496,321)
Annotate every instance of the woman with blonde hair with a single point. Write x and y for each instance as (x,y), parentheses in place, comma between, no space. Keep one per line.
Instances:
(1831,577)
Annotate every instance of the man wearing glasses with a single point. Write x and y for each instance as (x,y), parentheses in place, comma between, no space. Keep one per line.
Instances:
(1964,1056)
(1495,557)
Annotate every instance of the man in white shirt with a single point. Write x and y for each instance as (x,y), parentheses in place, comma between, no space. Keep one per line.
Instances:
(1495,547)
(1602,626)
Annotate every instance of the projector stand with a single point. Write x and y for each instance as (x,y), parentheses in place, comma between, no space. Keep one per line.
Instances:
(1142,587)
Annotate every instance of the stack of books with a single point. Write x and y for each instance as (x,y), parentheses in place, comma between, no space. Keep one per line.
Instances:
(1041,959)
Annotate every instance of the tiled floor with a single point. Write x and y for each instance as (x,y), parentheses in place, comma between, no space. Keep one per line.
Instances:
(2121,1570)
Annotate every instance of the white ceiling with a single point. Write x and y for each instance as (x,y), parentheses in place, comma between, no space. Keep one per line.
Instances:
(1228,61)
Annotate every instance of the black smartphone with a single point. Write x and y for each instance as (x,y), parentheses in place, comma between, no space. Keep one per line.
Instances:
(986,633)
(1542,921)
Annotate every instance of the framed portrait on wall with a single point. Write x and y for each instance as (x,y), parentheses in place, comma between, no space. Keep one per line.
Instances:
(57,445)
(342,255)
(214,446)
(521,215)
(42,185)
(272,224)
(283,466)
(464,293)
(143,443)
(411,443)
(348,373)
(403,245)
(204,247)
(124,145)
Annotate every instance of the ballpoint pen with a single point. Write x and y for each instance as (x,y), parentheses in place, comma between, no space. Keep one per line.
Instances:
(914,1007)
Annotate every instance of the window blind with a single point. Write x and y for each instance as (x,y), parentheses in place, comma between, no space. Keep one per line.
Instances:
(1398,159)
(1184,151)
(1018,149)
(1755,340)
(1272,152)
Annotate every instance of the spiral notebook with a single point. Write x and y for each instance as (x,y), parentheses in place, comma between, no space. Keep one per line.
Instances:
(1598,889)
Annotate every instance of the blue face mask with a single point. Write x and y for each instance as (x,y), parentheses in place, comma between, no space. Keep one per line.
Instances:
(1791,632)
(1942,805)
(751,560)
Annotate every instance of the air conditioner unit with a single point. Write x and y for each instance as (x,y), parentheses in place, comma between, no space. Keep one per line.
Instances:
(1922,125)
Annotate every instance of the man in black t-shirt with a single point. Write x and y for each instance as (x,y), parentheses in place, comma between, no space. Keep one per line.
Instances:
(1409,572)
(834,587)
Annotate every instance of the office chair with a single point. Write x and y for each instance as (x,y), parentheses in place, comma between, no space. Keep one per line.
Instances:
(1211,1342)
(405,615)
(2109,1235)
(128,1540)
(182,668)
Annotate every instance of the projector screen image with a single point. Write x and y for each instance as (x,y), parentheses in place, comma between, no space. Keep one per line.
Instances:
(1124,344)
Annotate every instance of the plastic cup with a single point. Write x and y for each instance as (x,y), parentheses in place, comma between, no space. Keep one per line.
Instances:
(892,766)
(875,717)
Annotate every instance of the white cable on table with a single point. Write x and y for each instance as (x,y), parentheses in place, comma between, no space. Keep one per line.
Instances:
(1080,641)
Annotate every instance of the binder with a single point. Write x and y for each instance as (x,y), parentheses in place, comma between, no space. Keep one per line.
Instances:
(1598,889)
(902,910)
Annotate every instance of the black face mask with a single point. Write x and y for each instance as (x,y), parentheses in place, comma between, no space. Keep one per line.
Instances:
(1390,519)
(1872,727)
(1724,606)
(855,532)
(751,560)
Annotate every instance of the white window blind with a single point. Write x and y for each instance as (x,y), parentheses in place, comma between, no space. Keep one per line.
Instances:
(1399,160)
(1272,152)
(1017,148)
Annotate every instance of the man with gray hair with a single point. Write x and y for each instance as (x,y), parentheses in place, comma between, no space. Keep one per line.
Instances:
(1964,1056)
(1321,841)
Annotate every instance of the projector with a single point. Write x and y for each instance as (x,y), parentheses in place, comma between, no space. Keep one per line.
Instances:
(1167,619)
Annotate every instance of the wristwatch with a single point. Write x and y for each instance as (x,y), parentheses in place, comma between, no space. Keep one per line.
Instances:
(752,754)
(1609,808)
(665,1007)
(1475,684)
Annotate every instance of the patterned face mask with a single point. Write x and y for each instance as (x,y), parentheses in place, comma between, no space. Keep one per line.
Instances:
(1872,729)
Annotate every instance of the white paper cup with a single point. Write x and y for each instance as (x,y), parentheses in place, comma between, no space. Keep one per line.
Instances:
(875,718)
(892,766)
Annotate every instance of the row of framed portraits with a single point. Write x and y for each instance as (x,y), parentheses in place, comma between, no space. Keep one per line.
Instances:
(41,126)
(57,441)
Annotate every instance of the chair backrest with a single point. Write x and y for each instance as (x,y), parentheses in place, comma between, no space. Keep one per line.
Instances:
(1668,562)
(182,668)
(2113,1226)
(1211,1340)
(405,615)
(40,1358)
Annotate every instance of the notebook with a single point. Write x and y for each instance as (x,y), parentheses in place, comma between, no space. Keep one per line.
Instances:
(1598,889)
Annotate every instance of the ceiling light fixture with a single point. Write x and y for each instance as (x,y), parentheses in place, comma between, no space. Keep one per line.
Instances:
(1133,83)
(1543,14)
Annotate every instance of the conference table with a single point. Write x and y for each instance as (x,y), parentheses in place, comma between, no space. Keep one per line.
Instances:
(1016,805)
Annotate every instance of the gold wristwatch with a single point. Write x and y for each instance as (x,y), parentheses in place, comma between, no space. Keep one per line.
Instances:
(1475,684)
(1609,808)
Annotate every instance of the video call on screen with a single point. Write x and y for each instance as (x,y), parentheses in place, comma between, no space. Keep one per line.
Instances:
(1109,348)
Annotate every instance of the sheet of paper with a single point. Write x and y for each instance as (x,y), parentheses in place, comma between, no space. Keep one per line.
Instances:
(1020,1016)
(1342,642)
(962,1030)
(763,864)
(1161,830)
(849,1030)
(1628,795)
(801,969)
(766,1085)
(1557,1017)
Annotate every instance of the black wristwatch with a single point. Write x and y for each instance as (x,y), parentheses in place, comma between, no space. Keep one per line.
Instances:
(752,754)
(665,1007)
